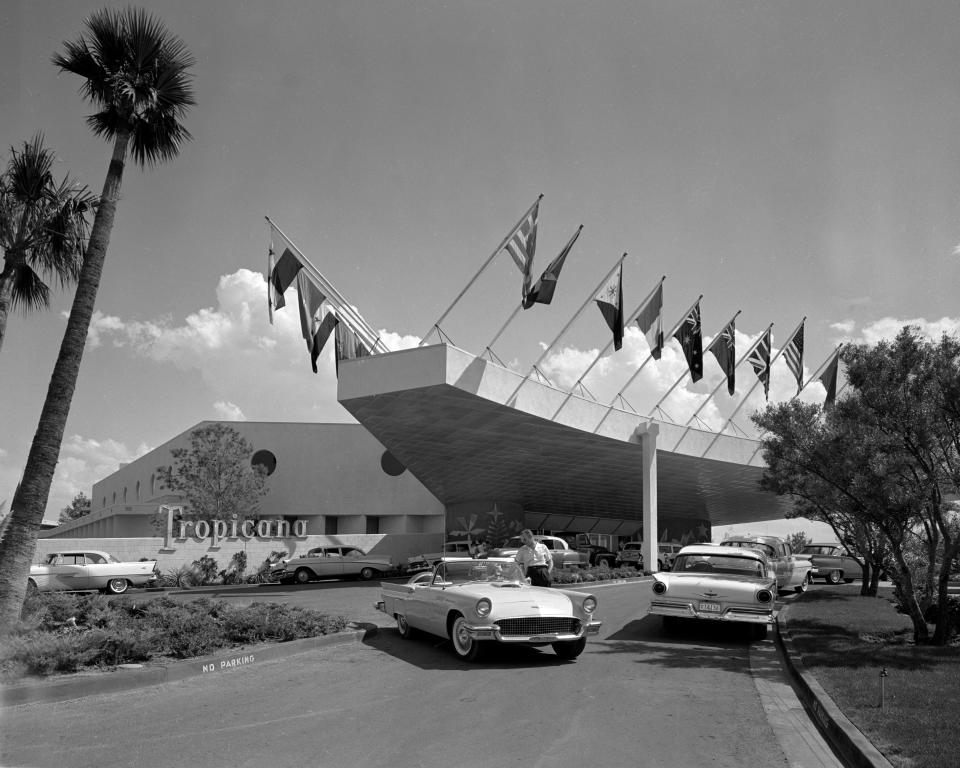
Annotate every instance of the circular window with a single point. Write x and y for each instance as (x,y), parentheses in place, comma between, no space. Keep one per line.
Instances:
(391,465)
(266,460)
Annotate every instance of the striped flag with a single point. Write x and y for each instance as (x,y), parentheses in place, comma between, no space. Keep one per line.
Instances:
(650,322)
(793,352)
(760,360)
(724,348)
(829,380)
(690,336)
(610,301)
(522,245)
(542,291)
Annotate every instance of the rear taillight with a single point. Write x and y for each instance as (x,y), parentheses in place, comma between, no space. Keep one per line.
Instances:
(659,587)
(764,596)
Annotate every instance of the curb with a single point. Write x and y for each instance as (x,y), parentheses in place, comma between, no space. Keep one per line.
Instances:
(125,679)
(847,741)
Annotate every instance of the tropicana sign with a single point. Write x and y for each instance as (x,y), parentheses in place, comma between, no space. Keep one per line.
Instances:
(276,528)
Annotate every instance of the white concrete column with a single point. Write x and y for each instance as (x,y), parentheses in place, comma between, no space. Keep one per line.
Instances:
(648,442)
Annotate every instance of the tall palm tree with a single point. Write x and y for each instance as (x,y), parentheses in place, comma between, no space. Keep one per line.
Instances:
(43,229)
(137,75)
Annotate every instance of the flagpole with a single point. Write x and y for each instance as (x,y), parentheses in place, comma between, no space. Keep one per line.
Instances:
(640,307)
(644,364)
(568,246)
(743,357)
(756,383)
(687,372)
(490,258)
(345,306)
(566,327)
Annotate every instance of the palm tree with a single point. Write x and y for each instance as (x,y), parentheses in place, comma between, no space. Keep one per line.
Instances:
(43,229)
(136,74)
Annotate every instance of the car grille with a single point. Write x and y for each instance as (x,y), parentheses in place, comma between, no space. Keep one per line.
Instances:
(539,625)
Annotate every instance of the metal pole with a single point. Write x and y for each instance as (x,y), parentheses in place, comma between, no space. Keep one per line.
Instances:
(566,327)
(644,364)
(344,306)
(687,372)
(609,344)
(490,258)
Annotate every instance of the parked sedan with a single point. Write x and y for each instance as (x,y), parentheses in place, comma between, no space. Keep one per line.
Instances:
(89,570)
(331,563)
(831,562)
(478,602)
(713,583)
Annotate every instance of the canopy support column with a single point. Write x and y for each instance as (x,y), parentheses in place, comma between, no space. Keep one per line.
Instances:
(647,435)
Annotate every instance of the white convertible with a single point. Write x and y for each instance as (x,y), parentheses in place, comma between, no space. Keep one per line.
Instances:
(475,602)
(715,583)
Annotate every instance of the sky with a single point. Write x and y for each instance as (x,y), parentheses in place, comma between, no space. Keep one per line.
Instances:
(790,160)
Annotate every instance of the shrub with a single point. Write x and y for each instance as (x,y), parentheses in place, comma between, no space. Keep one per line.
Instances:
(205,570)
(41,653)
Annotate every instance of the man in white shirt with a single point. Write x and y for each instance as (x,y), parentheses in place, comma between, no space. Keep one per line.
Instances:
(535,559)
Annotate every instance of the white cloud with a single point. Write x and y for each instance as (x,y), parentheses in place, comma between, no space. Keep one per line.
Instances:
(845,327)
(228,411)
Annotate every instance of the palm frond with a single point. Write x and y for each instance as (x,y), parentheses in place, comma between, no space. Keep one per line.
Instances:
(29,291)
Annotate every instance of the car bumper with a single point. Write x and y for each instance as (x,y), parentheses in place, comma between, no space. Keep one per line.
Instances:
(684,610)
(492,632)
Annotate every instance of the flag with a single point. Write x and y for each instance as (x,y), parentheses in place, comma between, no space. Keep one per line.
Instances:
(793,352)
(829,380)
(724,348)
(320,337)
(610,301)
(347,345)
(311,302)
(650,321)
(522,244)
(690,336)
(542,291)
(760,360)
(281,276)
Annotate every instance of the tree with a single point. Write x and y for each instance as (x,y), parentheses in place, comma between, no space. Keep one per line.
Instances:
(43,229)
(137,75)
(79,507)
(214,475)
(877,465)
(797,540)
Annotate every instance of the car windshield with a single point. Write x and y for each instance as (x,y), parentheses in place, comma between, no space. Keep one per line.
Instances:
(478,570)
(817,550)
(765,548)
(514,543)
(736,565)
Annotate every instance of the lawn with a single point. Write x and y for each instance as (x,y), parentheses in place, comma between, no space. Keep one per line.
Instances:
(846,640)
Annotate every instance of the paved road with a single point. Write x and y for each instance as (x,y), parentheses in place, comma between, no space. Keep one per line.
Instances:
(634,698)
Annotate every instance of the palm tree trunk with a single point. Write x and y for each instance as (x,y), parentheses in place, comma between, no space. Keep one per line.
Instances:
(30,500)
(6,296)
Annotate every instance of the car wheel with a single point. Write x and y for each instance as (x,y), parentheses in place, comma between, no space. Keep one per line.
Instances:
(302,575)
(759,631)
(570,649)
(464,645)
(403,627)
(834,577)
(117,586)
(802,586)
(367,573)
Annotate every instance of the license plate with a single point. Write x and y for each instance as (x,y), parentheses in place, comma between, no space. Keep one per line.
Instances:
(710,607)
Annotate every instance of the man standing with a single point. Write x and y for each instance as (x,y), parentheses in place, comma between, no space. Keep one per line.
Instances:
(535,559)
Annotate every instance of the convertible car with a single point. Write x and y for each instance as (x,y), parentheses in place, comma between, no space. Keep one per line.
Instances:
(476,602)
(715,583)
(90,570)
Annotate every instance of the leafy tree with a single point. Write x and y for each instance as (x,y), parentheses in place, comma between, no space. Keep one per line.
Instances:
(137,75)
(797,540)
(79,507)
(214,476)
(43,229)
(877,465)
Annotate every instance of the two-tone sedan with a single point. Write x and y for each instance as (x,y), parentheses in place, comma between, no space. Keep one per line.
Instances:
(479,602)
(714,583)
(88,570)
(331,563)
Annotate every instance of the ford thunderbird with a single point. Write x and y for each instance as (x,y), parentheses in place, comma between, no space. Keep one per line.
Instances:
(478,602)
(90,570)
(714,583)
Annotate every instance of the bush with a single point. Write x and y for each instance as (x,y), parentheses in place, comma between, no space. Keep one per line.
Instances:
(205,570)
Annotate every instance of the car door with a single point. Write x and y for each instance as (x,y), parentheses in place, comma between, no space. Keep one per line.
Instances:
(352,561)
(787,568)
(330,566)
(69,571)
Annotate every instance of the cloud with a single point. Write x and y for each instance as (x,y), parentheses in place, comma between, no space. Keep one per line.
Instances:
(228,411)
(254,369)
(886,328)
(844,327)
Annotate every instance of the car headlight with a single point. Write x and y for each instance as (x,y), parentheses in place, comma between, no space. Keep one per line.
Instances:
(659,587)
(484,606)
(589,604)
(764,596)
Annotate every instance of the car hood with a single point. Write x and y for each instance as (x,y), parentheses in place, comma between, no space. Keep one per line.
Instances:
(545,601)
(722,585)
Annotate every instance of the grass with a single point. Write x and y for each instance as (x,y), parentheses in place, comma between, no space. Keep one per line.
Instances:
(846,640)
